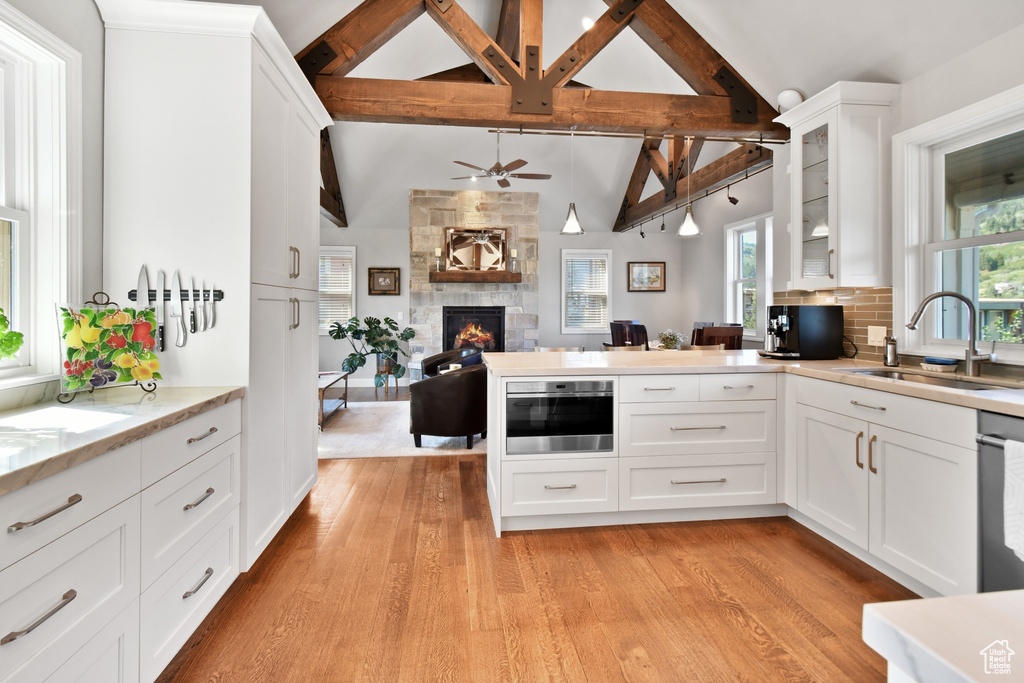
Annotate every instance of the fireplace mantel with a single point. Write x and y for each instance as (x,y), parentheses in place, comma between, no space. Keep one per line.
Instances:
(500,276)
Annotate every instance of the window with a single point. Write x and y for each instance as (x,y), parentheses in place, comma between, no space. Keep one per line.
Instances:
(586,290)
(959,226)
(337,285)
(748,276)
(40,190)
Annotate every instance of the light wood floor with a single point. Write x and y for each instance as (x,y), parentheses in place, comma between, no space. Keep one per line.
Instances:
(390,570)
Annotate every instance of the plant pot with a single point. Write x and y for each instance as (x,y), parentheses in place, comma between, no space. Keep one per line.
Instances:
(385,364)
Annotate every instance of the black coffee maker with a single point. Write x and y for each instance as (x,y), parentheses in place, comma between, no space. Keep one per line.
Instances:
(804,332)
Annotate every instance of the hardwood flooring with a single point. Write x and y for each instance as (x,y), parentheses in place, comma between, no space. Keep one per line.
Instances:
(390,571)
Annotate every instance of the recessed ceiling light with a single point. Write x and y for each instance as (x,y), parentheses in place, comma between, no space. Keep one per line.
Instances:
(588,23)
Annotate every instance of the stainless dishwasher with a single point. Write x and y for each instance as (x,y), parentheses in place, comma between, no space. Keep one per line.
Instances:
(1000,568)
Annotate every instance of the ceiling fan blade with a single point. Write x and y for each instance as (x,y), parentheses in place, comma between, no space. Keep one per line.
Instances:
(467,177)
(513,165)
(463,163)
(504,183)
(531,176)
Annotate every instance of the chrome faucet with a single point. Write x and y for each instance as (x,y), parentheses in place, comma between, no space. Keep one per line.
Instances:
(972,357)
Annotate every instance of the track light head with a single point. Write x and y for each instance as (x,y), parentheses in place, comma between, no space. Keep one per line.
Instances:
(642,235)
(732,200)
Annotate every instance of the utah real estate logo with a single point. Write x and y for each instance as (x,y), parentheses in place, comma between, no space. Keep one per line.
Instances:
(997,657)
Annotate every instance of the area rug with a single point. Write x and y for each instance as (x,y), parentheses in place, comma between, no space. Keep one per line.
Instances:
(381,430)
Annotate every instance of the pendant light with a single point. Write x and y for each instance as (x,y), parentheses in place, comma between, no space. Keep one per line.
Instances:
(572,222)
(689,227)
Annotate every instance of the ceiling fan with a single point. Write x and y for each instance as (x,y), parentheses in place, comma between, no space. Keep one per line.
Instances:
(502,172)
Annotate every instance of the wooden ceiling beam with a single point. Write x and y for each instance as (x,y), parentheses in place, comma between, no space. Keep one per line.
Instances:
(659,166)
(330,193)
(638,179)
(509,21)
(476,104)
(584,49)
(468,35)
(531,29)
(361,32)
(730,168)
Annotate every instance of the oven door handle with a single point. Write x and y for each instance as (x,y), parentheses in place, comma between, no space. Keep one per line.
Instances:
(596,394)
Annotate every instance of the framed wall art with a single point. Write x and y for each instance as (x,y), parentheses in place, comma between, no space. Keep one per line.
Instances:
(646,276)
(384,281)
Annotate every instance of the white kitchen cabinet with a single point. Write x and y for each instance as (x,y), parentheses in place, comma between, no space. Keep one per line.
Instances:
(559,486)
(696,481)
(908,499)
(840,187)
(697,427)
(110,656)
(243,172)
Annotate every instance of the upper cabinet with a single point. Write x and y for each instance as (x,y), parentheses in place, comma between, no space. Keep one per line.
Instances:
(840,187)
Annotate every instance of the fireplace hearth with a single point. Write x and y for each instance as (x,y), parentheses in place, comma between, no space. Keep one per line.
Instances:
(475,327)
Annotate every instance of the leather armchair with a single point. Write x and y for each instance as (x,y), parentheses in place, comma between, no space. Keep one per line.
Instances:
(442,360)
(452,404)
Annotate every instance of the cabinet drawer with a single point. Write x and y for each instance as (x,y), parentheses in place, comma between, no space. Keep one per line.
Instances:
(691,428)
(181,508)
(940,421)
(167,616)
(559,486)
(658,388)
(112,656)
(687,481)
(171,448)
(100,483)
(93,572)
(737,387)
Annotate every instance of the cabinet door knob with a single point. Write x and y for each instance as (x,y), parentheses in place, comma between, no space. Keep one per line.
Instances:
(856,448)
(871,454)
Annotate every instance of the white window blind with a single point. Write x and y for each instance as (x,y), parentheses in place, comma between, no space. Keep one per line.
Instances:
(585,290)
(337,285)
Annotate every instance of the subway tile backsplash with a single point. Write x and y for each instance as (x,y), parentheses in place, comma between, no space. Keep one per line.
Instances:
(862,306)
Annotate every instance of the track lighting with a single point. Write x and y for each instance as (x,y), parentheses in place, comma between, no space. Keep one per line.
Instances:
(732,199)
(663,222)
(642,235)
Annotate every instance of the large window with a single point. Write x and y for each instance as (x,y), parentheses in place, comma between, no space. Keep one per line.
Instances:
(40,190)
(337,285)
(747,273)
(586,290)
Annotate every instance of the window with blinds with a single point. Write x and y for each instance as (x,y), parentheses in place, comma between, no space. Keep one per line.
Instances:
(337,285)
(586,290)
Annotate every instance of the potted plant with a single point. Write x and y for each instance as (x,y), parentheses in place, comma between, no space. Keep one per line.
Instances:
(373,337)
(670,338)
(10,341)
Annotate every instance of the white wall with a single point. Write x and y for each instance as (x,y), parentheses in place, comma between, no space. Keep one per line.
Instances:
(376,247)
(78,23)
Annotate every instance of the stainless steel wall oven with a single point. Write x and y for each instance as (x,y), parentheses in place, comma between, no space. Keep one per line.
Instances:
(559,416)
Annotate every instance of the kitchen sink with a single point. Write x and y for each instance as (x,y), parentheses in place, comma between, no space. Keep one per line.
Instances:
(930,380)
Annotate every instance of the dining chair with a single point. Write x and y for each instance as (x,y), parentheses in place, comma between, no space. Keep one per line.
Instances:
(697,337)
(610,347)
(638,335)
(731,336)
(618,333)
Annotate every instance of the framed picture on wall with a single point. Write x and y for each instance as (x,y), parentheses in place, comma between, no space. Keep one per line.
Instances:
(384,280)
(645,276)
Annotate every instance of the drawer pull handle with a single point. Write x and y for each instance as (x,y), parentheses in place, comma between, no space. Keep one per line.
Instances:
(65,599)
(18,526)
(195,589)
(198,501)
(213,430)
(702,481)
(865,405)
(557,488)
(687,429)
(726,386)
(659,388)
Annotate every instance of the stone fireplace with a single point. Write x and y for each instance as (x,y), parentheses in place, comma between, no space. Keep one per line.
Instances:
(474,327)
(430,212)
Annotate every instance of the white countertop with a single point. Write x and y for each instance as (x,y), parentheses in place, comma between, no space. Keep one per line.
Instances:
(1008,400)
(939,640)
(41,440)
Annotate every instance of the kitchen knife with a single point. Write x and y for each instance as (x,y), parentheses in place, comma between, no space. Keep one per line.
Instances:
(200,322)
(160,310)
(204,323)
(178,310)
(213,313)
(142,289)
(191,306)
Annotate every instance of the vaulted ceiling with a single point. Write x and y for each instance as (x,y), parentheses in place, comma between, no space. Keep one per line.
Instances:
(799,44)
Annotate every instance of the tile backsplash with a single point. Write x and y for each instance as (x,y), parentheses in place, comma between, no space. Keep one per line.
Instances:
(862,306)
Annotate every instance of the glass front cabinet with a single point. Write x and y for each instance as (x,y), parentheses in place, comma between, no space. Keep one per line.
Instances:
(840,187)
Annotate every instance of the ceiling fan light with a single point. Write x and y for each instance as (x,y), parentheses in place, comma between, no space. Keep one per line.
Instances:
(472,178)
(689,227)
(572,222)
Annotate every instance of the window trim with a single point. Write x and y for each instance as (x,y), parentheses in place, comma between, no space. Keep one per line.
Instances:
(762,225)
(918,210)
(47,183)
(569,253)
(340,251)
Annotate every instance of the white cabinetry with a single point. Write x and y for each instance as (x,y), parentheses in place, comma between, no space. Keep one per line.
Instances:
(238,151)
(869,470)
(840,178)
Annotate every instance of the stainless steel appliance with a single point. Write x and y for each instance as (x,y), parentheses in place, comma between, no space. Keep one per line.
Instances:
(804,332)
(559,416)
(1000,569)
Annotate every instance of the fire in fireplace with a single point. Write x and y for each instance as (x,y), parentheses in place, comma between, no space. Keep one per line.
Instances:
(475,327)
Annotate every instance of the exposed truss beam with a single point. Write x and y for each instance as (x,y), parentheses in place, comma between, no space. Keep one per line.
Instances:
(475,104)
(330,193)
(638,179)
(509,21)
(468,35)
(585,48)
(730,168)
